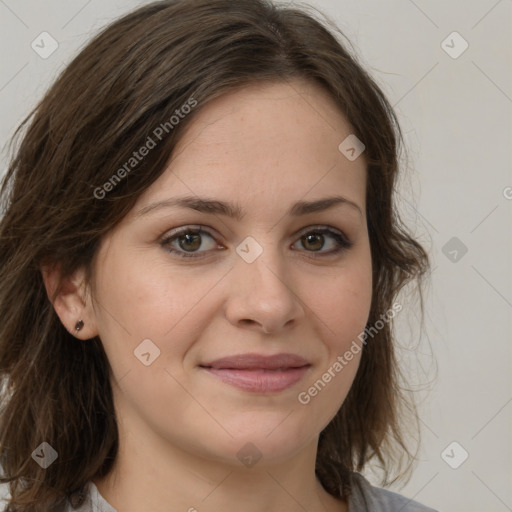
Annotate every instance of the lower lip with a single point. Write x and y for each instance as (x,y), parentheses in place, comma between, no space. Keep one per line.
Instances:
(260,381)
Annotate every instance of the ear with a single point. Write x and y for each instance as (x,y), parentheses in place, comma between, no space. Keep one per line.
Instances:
(72,302)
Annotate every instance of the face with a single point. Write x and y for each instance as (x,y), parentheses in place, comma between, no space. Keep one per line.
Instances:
(278,280)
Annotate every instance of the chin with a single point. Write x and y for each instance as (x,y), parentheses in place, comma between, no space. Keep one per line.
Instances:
(258,445)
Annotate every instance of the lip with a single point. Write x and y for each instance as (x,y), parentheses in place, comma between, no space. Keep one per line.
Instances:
(259,373)
(257,362)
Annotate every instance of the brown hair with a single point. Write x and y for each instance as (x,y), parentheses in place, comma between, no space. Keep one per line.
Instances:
(130,78)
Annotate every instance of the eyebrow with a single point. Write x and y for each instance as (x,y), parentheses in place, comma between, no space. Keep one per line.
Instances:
(235,211)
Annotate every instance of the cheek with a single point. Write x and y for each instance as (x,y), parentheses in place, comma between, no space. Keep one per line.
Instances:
(343,306)
(343,303)
(140,298)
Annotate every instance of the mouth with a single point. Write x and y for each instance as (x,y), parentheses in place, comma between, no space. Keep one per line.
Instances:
(258,373)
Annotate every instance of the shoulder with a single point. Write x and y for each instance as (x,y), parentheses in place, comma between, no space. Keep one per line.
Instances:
(365,498)
(94,501)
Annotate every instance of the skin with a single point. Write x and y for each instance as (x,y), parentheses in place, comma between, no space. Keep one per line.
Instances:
(265,147)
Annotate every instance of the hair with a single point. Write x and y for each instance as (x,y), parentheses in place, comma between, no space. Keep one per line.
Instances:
(129,79)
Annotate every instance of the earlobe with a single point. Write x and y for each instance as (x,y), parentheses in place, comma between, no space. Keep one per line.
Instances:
(70,301)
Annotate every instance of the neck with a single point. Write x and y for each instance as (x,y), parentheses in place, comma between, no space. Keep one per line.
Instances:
(162,478)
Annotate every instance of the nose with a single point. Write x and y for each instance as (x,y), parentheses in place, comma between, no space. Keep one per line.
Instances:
(262,296)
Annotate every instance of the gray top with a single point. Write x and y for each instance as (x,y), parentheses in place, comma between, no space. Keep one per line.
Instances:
(364,498)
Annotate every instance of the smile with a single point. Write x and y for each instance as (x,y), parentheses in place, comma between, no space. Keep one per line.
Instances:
(259,380)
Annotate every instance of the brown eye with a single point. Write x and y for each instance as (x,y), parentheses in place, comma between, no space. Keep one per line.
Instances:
(189,241)
(315,240)
(186,242)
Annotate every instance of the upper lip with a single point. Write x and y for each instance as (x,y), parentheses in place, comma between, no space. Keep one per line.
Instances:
(258,361)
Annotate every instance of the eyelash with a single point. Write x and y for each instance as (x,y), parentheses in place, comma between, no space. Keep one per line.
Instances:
(343,242)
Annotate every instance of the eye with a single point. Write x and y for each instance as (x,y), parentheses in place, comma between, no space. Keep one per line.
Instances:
(188,239)
(185,242)
(314,240)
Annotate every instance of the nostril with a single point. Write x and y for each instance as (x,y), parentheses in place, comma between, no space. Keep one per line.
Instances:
(247,321)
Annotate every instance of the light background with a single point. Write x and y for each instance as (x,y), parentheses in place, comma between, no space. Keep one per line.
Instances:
(456,115)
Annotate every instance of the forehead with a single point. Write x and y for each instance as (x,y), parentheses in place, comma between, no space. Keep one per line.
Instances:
(272,141)
(282,113)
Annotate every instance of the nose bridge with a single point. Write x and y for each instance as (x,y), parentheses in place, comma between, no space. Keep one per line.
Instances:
(262,290)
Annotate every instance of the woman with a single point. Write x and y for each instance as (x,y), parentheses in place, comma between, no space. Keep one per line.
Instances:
(199,264)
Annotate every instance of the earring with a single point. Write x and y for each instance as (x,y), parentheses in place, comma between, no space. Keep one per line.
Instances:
(79,325)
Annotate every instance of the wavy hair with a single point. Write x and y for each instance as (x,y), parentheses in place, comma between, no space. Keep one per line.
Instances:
(130,77)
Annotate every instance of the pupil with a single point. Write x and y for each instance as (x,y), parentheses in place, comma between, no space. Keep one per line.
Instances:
(188,238)
(309,237)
